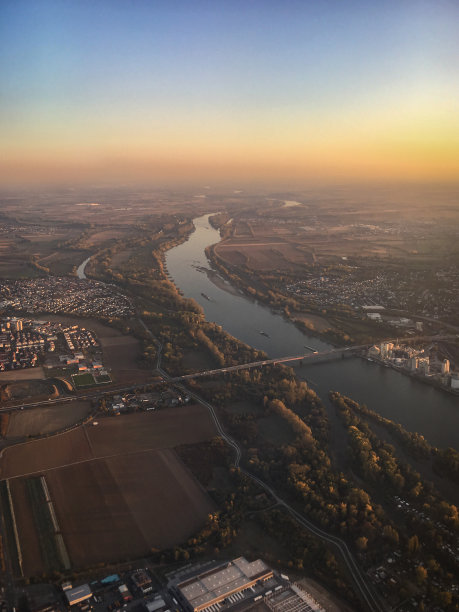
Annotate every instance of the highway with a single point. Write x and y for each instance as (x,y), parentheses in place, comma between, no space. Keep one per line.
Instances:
(310,357)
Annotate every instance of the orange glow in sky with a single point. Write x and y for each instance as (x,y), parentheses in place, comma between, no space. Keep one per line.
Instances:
(103,91)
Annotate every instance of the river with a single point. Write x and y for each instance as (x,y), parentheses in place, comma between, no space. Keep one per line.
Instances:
(417,406)
(81,268)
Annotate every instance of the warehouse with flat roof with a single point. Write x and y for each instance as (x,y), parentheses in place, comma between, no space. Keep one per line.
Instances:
(78,594)
(211,587)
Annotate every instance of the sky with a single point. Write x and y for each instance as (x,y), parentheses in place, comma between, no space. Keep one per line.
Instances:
(228,90)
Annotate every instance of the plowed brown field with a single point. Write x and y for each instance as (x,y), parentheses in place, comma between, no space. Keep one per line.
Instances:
(118,489)
(113,436)
(123,507)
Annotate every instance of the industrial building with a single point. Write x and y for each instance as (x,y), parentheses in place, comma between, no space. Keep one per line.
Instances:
(142,582)
(292,599)
(226,581)
(78,594)
(157,604)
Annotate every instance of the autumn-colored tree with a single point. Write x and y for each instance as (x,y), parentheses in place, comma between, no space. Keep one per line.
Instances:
(421,574)
(362,543)
(413,544)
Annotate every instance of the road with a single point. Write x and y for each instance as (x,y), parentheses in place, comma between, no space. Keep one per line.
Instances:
(360,581)
(362,586)
(310,357)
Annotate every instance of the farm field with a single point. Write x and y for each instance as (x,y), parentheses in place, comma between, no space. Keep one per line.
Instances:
(259,254)
(131,504)
(46,419)
(113,436)
(301,235)
(29,539)
(118,489)
(16,268)
(26,374)
(121,355)
(162,429)
(37,456)
(121,258)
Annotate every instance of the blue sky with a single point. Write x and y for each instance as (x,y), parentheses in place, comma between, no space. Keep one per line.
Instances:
(108,76)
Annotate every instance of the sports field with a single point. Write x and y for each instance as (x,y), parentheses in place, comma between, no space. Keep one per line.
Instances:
(83,380)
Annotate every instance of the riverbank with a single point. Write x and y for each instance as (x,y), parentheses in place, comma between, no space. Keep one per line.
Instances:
(80,271)
(281,305)
(388,391)
(309,323)
(423,379)
(219,281)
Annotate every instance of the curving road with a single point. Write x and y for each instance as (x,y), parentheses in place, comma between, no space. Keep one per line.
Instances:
(360,581)
(362,586)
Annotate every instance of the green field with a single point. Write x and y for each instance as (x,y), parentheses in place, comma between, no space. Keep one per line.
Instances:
(103,379)
(8,525)
(44,525)
(83,380)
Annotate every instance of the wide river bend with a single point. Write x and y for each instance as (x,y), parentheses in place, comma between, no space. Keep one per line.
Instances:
(417,406)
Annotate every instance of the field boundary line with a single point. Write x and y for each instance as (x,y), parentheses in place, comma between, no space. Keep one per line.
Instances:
(15,527)
(60,544)
(88,460)
(88,440)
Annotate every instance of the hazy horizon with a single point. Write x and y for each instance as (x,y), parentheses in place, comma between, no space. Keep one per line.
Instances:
(264,92)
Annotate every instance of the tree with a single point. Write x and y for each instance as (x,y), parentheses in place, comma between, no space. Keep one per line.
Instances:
(413,544)
(391,534)
(421,574)
(445,598)
(362,543)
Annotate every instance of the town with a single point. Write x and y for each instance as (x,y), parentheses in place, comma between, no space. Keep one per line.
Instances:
(425,362)
(430,295)
(70,295)
(68,350)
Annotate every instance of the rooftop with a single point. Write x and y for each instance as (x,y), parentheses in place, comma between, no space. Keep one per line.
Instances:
(218,583)
(78,593)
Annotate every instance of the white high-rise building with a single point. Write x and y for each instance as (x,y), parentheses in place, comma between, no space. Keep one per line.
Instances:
(386,349)
(445,366)
(16,324)
(424,365)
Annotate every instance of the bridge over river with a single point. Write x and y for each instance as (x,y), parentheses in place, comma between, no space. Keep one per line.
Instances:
(311,357)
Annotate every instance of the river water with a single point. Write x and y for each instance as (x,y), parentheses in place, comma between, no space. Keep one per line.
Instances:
(81,268)
(417,406)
